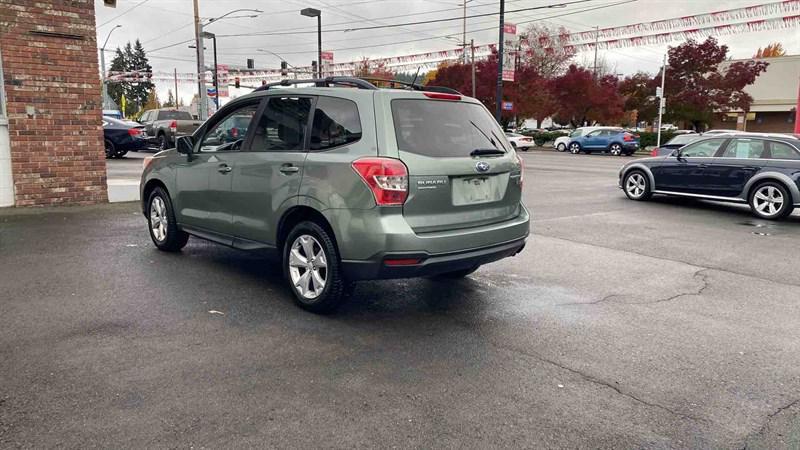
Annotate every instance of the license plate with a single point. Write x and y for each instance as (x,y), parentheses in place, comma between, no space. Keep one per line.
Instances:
(468,191)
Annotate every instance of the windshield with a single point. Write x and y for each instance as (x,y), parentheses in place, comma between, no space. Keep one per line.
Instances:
(576,133)
(444,128)
(174,115)
(683,139)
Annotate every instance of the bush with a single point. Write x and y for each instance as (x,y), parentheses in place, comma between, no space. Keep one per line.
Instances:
(543,137)
(649,138)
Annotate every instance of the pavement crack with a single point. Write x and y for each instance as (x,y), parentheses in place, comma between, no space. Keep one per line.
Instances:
(585,376)
(770,416)
(703,278)
(622,250)
(594,302)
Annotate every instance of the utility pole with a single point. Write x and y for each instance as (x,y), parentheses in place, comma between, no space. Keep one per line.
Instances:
(472,47)
(176,87)
(661,102)
(464,34)
(596,40)
(202,107)
(499,91)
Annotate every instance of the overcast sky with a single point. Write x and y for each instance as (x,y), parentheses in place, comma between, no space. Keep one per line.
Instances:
(160,23)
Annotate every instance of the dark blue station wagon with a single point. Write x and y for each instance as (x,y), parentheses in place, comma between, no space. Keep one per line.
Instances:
(759,169)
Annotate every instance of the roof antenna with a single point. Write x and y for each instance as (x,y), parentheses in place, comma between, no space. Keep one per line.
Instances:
(414,81)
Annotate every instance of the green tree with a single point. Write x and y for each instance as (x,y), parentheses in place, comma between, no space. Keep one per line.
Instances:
(170,102)
(131,58)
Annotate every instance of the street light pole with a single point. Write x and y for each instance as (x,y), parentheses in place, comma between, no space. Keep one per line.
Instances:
(472,48)
(312,12)
(103,65)
(213,38)
(499,91)
(202,107)
(661,100)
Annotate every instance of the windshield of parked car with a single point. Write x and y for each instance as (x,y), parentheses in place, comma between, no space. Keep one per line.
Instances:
(444,128)
(683,139)
(174,115)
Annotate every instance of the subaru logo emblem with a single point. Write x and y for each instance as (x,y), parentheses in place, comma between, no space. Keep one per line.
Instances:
(482,166)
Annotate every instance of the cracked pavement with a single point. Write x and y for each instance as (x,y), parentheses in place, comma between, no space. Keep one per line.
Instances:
(665,324)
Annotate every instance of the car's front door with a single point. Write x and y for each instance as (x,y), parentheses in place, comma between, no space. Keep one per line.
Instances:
(593,140)
(685,171)
(739,161)
(268,171)
(204,179)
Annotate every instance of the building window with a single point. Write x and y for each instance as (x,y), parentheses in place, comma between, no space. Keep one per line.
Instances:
(791,117)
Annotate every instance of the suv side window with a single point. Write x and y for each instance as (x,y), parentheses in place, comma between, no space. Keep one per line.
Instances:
(781,150)
(336,122)
(146,116)
(745,149)
(282,125)
(703,149)
(595,133)
(230,132)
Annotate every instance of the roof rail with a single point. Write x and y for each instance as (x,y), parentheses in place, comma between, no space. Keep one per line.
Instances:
(322,82)
(413,86)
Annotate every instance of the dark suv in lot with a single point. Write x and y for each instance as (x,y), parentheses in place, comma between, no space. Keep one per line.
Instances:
(762,170)
(344,184)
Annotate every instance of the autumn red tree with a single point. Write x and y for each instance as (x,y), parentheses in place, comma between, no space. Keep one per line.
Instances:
(370,69)
(638,91)
(699,82)
(583,99)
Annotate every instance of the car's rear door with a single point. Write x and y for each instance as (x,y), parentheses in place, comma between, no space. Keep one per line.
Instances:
(736,164)
(269,169)
(593,140)
(462,171)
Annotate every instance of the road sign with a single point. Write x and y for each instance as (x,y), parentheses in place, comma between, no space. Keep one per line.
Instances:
(509,51)
(327,62)
(659,91)
(508,106)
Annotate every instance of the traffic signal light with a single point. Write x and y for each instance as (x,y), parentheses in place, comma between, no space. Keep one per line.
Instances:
(236,82)
(284,68)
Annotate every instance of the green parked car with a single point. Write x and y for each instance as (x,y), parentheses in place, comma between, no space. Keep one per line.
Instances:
(344,182)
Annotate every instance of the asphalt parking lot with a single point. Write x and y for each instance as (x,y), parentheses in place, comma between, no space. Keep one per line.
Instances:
(665,324)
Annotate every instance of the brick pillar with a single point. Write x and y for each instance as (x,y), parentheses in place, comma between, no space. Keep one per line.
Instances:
(53,99)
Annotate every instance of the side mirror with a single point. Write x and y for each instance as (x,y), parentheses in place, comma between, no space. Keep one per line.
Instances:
(184,145)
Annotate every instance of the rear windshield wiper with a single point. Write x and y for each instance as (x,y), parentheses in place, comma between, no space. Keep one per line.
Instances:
(487,152)
(491,141)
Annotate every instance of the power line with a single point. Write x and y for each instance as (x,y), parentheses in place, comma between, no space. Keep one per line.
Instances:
(123,13)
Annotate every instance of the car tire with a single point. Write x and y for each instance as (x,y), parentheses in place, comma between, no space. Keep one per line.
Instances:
(457,273)
(574,148)
(764,198)
(636,185)
(110,149)
(161,222)
(615,149)
(304,276)
(561,147)
(162,142)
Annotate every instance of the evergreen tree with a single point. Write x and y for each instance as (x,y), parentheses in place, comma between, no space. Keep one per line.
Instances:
(128,59)
(170,102)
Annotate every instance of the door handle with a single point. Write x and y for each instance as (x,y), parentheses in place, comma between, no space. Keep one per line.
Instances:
(288,169)
(224,168)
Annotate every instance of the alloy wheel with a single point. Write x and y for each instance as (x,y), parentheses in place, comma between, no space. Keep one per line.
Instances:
(562,147)
(768,201)
(616,149)
(635,185)
(162,142)
(308,266)
(574,149)
(158,219)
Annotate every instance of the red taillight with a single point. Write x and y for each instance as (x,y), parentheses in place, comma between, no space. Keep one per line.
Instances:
(527,139)
(235,132)
(442,96)
(174,125)
(654,152)
(627,137)
(134,131)
(386,177)
(402,261)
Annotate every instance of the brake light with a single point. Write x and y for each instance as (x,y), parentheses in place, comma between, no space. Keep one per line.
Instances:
(173,125)
(134,132)
(654,152)
(387,178)
(627,137)
(442,96)
(234,132)
(521,169)
(402,261)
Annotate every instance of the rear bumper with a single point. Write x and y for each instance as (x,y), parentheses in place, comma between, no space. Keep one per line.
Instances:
(429,264)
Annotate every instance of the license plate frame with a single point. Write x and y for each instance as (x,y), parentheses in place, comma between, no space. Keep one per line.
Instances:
(473,191)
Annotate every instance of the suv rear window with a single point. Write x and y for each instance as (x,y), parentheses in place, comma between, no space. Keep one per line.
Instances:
(174,115)
(442,129)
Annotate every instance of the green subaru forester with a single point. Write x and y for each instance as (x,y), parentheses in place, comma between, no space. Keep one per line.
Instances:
(344,182)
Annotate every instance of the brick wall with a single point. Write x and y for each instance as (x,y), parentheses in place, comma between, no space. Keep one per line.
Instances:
(54,106)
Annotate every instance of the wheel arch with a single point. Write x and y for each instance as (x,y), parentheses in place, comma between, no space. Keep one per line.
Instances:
(775,177)
(295,215)
(149,186)
(641,168)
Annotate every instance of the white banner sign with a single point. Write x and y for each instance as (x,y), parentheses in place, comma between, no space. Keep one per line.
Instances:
(509,51)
